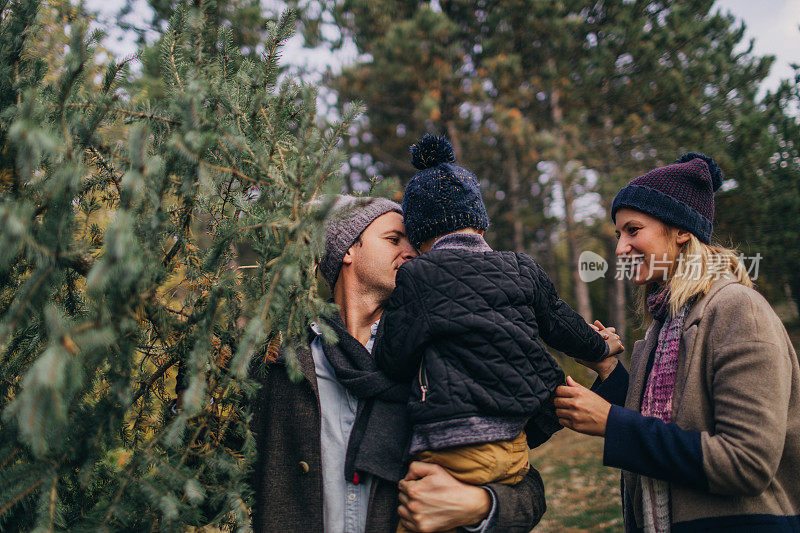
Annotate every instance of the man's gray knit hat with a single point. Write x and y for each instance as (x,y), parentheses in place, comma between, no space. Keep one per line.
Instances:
(348,218)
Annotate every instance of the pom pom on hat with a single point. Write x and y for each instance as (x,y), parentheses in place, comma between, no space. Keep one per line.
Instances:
(431,151)
(441,197)
(713,168)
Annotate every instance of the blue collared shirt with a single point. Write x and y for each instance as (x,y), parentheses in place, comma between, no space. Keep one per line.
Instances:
(344,505)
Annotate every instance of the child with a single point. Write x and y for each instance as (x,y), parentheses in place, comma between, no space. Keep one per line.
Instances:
(463,325)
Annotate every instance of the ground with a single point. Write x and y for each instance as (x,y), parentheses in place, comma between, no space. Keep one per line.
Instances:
(582,494)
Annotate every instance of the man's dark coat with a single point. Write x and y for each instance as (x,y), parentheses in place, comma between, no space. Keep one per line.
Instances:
(287,476)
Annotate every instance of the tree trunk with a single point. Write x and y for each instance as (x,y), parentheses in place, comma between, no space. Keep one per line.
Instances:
(455,139)
(792,292)
(617,314)
(514,200)
(580,289)
(548,256)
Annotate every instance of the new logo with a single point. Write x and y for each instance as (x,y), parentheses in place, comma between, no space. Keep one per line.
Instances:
(591,266)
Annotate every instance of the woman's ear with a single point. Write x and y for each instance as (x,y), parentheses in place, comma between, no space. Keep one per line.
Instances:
(682,236)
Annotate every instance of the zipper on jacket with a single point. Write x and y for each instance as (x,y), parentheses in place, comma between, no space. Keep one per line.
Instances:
(422,377)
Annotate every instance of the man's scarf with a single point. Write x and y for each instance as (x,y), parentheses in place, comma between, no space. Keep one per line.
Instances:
(657,401)
(380,436)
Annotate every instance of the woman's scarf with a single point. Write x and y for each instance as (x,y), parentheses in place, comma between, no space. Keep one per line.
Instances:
(657,401)
(379,439)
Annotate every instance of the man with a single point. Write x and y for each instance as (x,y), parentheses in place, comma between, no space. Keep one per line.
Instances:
(309,434)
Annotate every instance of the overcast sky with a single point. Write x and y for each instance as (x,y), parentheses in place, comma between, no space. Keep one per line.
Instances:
(773,24)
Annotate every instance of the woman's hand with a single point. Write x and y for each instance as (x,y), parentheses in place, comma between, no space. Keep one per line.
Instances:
(433,500)
(580,409)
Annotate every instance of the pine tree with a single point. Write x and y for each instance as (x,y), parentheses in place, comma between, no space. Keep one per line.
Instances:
(779,181)
(135,237)
(762,208)
(245,19)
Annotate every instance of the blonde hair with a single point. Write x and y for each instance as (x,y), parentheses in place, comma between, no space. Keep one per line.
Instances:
(697,266)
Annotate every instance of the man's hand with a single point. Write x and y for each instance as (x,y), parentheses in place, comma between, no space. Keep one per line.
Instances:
(580,409)
(433,500)
(603,368)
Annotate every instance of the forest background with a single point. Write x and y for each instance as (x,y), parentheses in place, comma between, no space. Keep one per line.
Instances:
(156,209)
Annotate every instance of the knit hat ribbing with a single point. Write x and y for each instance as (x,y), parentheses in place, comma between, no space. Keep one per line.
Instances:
(681,194)
(347,219)
(442,197)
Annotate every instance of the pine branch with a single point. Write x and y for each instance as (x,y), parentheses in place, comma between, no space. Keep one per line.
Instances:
(9,457)
(128,113)
(112,174)
(20,496)
(230,170)
(52,502)
(155,376)
(80,263)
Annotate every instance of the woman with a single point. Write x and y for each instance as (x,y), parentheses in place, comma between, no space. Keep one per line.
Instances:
(706,427)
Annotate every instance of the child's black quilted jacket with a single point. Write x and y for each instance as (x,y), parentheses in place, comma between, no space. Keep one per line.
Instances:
(465,327)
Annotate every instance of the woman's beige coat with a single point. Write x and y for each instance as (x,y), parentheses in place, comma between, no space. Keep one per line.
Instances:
(738,384)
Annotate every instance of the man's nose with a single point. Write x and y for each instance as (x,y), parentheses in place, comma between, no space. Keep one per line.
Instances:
(409,252)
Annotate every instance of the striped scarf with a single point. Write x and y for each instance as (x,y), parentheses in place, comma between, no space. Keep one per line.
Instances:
(657,402)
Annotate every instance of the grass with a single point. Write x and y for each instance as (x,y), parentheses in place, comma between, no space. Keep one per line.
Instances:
(582,494)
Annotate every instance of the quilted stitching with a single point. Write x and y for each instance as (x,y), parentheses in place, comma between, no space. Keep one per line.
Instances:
(477,320)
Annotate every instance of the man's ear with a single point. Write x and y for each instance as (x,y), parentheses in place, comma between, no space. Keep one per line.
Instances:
(682,237)
(348,257)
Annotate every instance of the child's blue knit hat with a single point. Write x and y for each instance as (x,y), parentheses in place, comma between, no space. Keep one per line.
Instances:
(442,197)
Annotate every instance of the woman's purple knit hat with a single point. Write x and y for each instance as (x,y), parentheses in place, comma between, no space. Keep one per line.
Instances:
(681,194)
